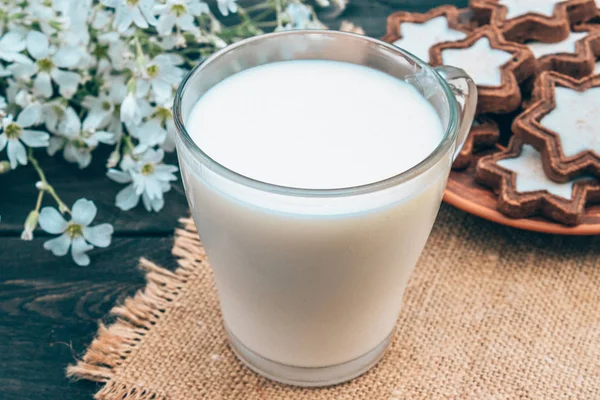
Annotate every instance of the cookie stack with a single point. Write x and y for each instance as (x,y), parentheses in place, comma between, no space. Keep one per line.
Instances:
(536,139)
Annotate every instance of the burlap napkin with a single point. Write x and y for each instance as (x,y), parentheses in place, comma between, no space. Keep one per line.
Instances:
(490,313)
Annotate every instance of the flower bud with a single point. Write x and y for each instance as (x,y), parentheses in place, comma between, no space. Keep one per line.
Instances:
(30,224)
(39,185)
(113,159)
(4,167)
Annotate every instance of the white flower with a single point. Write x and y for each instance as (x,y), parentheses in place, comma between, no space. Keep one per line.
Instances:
(138,12)
(164,116)
(13,133)
(78,143)
(120,55)
(300,16)
(135,106)
(11,14)
(44,14)
(76,14)
(49,61)
(148,134)
(11,46)
(76,234)
(226,6)
(180,13)
(2,105)
(104,110)
(148,178)
(173,41)
(163,75)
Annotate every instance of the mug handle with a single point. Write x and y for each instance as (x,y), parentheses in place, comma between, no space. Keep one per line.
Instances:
(465,91)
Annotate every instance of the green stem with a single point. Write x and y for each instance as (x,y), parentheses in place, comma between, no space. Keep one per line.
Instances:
(266,24)
(258,18)
(258,6)
(49,188)
(262,16)
(38,203)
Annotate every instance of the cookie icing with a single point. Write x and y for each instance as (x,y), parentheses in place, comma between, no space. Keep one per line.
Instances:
(576,120)
(569,45)
(417,38)
(530,176)
(480,61)
(516,8)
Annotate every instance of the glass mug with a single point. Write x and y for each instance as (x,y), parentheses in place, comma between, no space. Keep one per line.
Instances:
(311,282)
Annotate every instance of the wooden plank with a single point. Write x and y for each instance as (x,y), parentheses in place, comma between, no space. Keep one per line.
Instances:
(18,195)
(49,309)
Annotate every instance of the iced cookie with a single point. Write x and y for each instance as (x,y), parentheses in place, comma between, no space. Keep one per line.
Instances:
(517,175)
(496,66)
(563,123)
(484,133)
(542,20)
(416,33)
(574,56)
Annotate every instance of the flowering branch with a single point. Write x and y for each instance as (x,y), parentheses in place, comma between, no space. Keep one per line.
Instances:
(81,74)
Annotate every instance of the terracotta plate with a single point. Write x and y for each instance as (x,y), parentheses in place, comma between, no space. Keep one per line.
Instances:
(464,193)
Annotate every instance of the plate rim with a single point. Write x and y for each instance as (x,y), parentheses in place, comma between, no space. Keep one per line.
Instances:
(527,224)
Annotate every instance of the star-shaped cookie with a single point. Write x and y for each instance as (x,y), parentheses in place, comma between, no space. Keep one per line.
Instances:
(496,66)
(416,32)
(541,20)
(563,123)
(517,175)
(484,133)
(574,56)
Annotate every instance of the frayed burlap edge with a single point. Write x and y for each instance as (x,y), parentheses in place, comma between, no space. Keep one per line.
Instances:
(115,344)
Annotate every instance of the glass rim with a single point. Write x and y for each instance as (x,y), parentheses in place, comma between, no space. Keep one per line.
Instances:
(442,148)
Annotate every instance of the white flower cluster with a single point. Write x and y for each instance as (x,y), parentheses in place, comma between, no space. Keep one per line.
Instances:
(77,74)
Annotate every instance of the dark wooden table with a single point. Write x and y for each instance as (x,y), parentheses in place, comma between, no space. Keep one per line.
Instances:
(50,307)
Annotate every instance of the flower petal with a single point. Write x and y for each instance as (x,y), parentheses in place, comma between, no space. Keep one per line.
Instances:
(70,124)
(16,153)
(165,24)
(3,141)
(84,212)
(12,42)
(110,3)
(42,84)
(127,198)
(78,250)
(66,57)
(67,82)
(55,144)
(35,138)
(52,221)
(146,9)
(152,188)
(100,235)
(153,204)
(37,44)
(31,115)
(153,156)
(122,17)
(81,156)
(118,176)
(137,17)
(59,246)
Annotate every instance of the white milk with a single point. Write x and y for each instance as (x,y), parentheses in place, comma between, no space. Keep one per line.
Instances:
(306,281)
